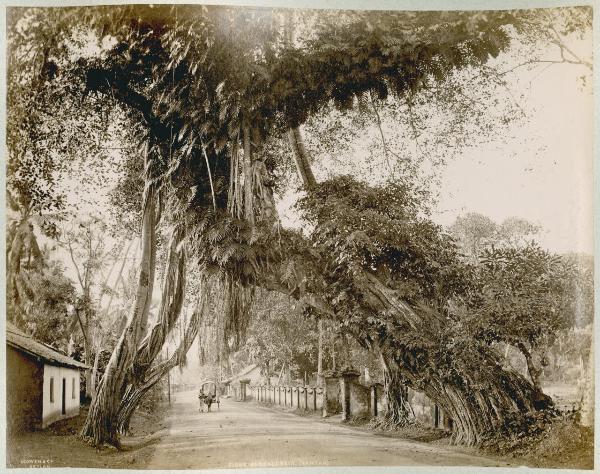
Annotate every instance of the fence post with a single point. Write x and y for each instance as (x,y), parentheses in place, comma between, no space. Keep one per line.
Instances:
(305,398)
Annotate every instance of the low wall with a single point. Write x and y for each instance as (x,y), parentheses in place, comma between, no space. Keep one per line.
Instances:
(346,396)
(427,412)
(305,398)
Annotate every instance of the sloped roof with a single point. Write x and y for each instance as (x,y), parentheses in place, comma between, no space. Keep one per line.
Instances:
(244,371)
(24,343)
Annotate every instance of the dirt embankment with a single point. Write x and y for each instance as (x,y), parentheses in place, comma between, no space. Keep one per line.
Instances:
(59,445)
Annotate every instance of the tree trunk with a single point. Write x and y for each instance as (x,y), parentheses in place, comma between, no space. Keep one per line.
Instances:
(399,411)
(532,369)
(320,354)
(135,393)
(301,158)
(86,349)
(95,371)
(170,305)
(473,389)
(248,188)
(17,247)
(142,377)
(101,423)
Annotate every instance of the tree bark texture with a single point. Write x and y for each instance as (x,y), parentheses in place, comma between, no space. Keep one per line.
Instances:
(301,158)
(247,168)
(101,423)
(134,393)
(471,386)
(17,284)
(170,307)
(399,411)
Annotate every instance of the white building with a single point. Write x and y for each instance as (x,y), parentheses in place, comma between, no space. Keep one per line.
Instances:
(42,385)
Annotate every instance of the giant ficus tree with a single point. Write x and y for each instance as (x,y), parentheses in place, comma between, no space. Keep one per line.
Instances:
(207,87)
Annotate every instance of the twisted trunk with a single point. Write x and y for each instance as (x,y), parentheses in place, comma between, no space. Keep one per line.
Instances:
(399,411)
(134,393)
(101,423)
(480,399)
(170,308)
(17,286)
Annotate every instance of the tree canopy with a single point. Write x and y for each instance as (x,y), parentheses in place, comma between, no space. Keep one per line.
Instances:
(202,91)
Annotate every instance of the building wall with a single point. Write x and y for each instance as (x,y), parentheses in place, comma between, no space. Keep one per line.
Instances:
(255,379)
(360,400)
(53,406)
(23,391)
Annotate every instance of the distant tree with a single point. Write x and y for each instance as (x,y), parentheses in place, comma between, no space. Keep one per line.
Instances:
(85,244)
(515,231)
(46,317)
(475,233)
(280,335)
(580,311)
(522,299)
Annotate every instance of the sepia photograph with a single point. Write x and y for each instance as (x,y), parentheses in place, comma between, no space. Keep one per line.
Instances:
(265,237)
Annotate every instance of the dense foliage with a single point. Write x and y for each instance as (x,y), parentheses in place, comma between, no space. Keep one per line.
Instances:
(202,91)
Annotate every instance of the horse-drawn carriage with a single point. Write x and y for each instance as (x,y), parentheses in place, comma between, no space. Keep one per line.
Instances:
(208,395)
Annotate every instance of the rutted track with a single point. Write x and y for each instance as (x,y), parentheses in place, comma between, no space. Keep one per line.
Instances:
(245,435)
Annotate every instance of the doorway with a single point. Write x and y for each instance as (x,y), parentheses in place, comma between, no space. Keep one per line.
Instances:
(64,396)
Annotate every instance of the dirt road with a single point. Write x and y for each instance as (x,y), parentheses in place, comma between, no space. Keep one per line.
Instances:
(246,435)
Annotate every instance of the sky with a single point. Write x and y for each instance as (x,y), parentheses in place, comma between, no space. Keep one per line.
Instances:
(540,169)
(544,175)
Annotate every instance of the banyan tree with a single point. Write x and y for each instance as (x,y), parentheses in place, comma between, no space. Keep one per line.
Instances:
(208,89)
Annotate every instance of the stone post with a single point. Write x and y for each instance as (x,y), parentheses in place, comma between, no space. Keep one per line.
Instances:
(348,377)
(243,384)
(374,400)
(331,394)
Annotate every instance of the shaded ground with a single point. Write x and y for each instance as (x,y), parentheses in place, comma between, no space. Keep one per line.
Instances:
(248,435)
(564,445)
(58,445)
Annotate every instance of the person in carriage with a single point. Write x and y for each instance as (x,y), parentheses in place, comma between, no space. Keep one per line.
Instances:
(207,396)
